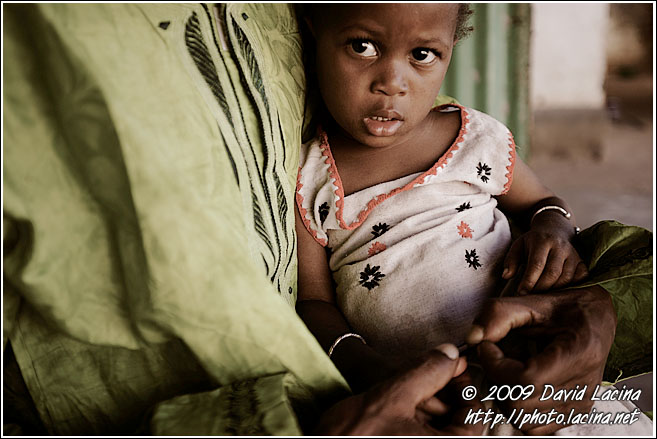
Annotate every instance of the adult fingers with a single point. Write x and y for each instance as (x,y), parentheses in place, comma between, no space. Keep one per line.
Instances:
(460,408)
(461,366)
(498,367)
(501,315)
(513,259)
(559,361)
(434,406)
(410,389)
(538,255)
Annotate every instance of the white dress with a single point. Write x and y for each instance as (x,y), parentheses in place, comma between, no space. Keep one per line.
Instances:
(413,259)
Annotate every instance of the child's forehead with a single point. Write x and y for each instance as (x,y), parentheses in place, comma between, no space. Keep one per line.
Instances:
(408,15)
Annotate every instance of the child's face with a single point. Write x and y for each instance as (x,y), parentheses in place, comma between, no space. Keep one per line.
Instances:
(380,66)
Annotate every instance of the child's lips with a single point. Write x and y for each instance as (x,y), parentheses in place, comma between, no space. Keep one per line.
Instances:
(383,123)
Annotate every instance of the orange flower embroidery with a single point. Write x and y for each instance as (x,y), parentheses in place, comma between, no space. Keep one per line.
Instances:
(464,230)
(377,247)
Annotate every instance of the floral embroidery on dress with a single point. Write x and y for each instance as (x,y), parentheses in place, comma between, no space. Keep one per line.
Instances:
(370,277)
(483,172)
(323,212)
(463,207)
(380,229)
(472,259)
(377,247)
(464,230)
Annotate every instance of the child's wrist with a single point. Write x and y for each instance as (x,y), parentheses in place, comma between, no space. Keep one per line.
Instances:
(553,221)
(361,365)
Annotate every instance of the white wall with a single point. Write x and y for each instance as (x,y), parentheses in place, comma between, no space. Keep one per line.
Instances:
(568,55)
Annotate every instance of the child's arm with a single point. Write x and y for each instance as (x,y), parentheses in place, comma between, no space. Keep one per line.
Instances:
(545,249)
(359,364)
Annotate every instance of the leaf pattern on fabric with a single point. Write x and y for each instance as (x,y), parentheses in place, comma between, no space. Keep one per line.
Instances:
(279,98)
(463,207)
(483,172)
(370,277)
(280,196)
(380,229)
(201,56)
(472,259)
(247,53)
(260,193)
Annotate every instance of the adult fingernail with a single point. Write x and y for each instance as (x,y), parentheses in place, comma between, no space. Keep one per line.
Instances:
(449,350)
(505,273)
(522,292)
(476,335)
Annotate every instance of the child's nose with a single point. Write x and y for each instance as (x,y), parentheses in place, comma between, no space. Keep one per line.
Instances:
(391,79)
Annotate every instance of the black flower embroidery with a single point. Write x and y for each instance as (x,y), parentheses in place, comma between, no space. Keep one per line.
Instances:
(323,212)
(463,207)
(370,277)
(472,259)
(483,172)
(380,229)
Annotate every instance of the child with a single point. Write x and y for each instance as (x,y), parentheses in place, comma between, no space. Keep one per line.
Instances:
(398,201)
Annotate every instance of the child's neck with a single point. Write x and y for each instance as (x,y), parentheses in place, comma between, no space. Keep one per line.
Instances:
(361,166)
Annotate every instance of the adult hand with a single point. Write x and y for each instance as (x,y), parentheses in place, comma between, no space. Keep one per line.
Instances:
(405,404)
(578,326)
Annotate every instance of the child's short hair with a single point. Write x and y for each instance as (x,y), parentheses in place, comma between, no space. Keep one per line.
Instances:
(463,29)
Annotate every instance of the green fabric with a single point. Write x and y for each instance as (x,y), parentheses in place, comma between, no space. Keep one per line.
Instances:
(139,212)
(148,231)
(253,407)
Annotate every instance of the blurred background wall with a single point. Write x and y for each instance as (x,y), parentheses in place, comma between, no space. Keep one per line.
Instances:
(574,83)
(568,55)
(591,94)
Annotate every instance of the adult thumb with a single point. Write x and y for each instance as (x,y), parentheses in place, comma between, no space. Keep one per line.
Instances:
(424,380)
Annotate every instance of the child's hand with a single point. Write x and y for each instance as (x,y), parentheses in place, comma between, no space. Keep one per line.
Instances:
(552,261)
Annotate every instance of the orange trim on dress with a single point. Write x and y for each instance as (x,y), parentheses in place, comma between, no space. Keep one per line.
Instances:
(303,212)
(512,162)
(362,215)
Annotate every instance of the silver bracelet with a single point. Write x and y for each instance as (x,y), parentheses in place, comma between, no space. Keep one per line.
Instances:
(342,337)
(559,209)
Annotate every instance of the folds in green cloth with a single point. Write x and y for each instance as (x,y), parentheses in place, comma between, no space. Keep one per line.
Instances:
(144,166)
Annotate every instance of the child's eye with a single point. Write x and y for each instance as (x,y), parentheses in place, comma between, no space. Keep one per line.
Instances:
(424,56)
(364,48)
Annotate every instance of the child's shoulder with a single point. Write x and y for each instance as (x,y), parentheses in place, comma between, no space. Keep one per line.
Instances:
(468,123)
(470,119)
(449,118)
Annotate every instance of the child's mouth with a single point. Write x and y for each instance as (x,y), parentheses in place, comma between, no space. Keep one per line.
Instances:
(382,126)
